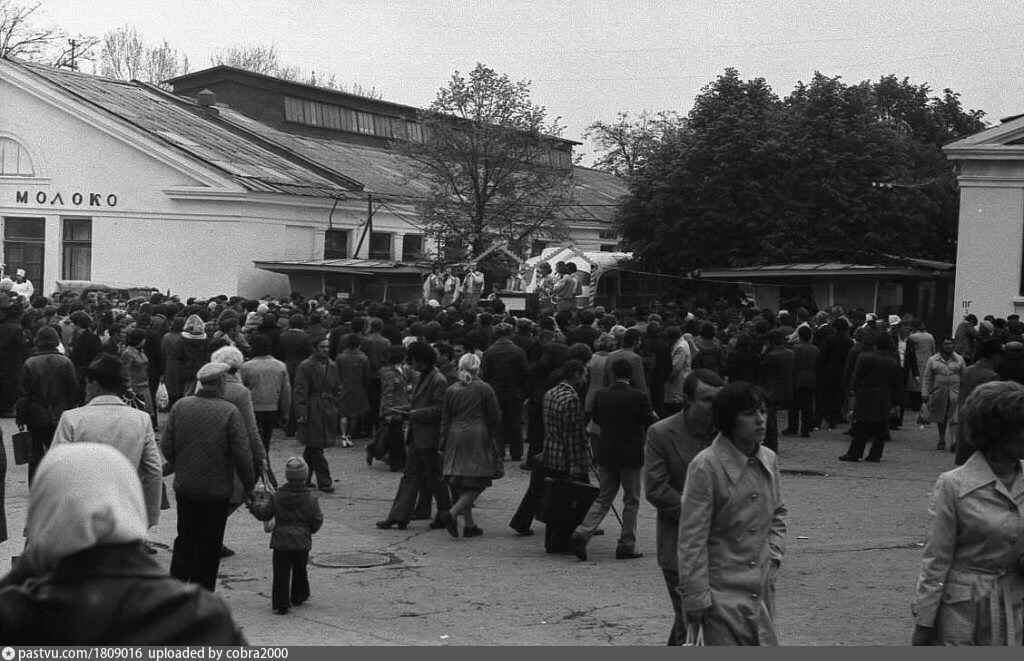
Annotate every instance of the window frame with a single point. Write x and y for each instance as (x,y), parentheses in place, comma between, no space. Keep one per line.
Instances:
(391,246)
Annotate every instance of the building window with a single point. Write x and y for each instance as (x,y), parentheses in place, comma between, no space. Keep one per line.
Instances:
(605,247)
(380,245)
(338,118)
(14,160)
(336,244)
(537,247)
(77,249)
(412,247)
(608,234)
(24,245)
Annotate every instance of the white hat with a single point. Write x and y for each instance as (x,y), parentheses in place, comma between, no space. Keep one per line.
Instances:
(433,303)
(895,320)
(211,372)
(20,273)
(870,316)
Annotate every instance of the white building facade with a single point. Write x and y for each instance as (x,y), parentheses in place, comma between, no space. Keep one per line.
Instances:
(124,183)
(990,241)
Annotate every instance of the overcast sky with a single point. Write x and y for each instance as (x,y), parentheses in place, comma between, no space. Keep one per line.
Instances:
(590,60)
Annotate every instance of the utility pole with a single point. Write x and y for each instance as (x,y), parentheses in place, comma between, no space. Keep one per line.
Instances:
(71,59)
(368,227)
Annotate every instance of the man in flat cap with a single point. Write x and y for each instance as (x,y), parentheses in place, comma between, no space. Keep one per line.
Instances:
(205,444)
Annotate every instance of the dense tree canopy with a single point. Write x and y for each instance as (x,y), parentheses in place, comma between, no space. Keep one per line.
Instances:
(497,168)
(833,171)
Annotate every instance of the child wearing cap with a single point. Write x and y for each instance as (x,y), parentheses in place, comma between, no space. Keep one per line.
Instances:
(297,515)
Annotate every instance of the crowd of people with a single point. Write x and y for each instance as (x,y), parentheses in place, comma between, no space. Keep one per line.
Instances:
(679,404)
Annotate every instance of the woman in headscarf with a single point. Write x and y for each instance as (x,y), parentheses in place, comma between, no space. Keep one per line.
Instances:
(470,417)
(93,583)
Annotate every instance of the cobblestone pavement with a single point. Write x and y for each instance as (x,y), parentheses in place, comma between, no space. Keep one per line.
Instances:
(854,546)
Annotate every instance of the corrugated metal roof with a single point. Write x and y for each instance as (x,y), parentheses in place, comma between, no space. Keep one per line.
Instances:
(169,119)
(390,174)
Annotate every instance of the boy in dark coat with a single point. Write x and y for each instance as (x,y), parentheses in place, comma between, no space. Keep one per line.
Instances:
(297,516)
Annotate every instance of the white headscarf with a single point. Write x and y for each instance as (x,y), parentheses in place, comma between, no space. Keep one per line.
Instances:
(83,495)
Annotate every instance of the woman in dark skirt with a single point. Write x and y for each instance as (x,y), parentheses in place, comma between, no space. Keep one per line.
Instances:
(470,419)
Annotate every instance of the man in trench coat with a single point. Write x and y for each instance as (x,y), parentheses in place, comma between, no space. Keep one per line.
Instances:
(316,394)
(671,445)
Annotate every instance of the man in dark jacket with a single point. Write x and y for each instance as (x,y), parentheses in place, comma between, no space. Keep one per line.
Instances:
(376,347)
(623,413)
(834,351)
(585,331)
(423,463)
(295,345)
(776,377)
(504,367)
(876,379)
(48,386)
(807,357)
(205,444)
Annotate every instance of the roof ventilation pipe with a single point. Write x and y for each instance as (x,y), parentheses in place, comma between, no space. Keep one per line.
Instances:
(206,100)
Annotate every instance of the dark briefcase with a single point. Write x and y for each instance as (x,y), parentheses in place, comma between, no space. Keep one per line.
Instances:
(22,442)
(565,502)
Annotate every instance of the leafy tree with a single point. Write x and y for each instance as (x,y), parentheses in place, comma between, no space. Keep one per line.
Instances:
(833,171)
(498,169)
(626,144)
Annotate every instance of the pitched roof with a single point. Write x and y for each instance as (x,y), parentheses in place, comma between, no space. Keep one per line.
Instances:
(180,123)
(381,171)
(265,159)
(388,173)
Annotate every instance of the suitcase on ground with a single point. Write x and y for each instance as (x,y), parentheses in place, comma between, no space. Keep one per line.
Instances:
(565,502)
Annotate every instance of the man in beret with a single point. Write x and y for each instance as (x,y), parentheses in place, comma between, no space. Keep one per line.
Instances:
(205,444)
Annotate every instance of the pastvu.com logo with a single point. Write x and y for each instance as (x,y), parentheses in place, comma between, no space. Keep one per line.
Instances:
(8,653)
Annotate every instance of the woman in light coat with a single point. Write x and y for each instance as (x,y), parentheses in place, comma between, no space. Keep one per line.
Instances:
(470,419)
(732,526)
(940,388)
(971,585)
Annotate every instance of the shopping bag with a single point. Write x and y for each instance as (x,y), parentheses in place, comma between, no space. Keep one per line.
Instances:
(22,442)
(924,416)
(260,496)
(163,400)
(565,501)
(694,636)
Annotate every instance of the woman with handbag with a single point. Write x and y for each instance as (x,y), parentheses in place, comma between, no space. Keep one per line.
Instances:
(135,365)
(972,571)
(470,419)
